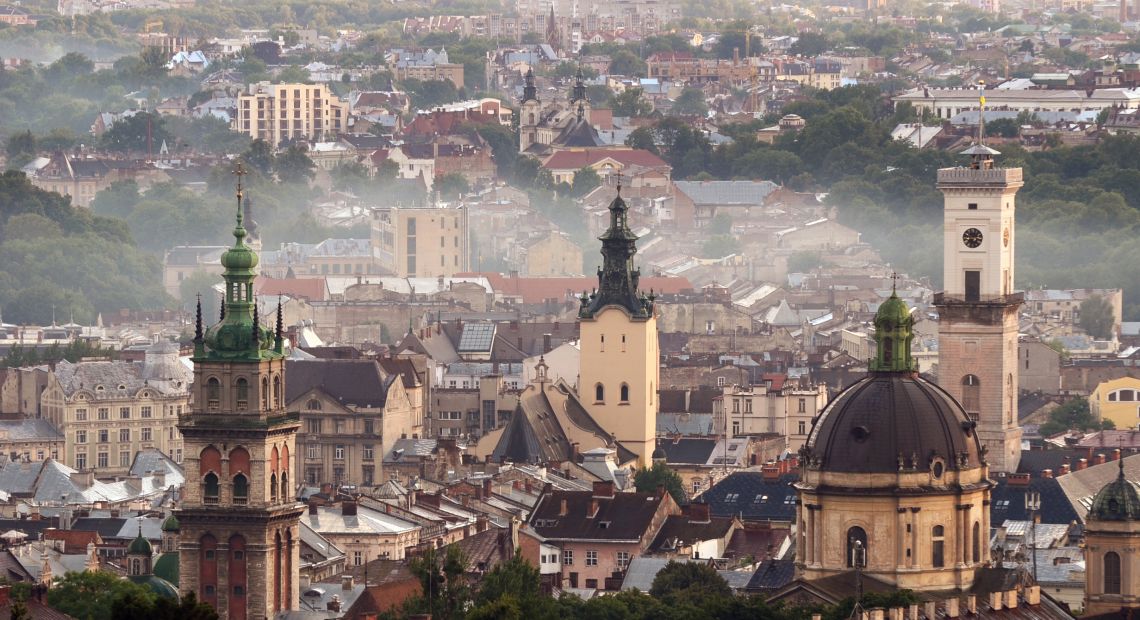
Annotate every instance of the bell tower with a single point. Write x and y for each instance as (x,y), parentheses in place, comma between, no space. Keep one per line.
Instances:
(240,539)
(978,307)
(530,113)
(619,367)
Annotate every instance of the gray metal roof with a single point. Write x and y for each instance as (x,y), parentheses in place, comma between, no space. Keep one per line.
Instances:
(750,193)
(642,571)
(36,429)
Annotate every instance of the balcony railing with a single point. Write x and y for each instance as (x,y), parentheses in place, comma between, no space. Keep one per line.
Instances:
(944,299)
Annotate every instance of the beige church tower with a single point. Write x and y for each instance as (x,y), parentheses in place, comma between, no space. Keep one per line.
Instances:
(239,518)
(619,366)
(530,113)
(978,308)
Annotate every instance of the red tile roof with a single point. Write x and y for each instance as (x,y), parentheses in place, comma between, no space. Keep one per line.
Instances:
(538,290)
(312,289)
(74,541)
(574,160)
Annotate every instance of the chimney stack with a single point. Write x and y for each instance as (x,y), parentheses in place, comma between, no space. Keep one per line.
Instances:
(1099,460)
(952,607)
(1063,469)
(1033,595)
(912,612)
(346,581)
(972,603)
(348,508)
(699,513)
(1046,473)
(1082,464)
(995,601)
(604,488)
(929,610)
(1116,454)
(1011,599)
(563,510)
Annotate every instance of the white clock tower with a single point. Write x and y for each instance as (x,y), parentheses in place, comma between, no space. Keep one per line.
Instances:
(978,308)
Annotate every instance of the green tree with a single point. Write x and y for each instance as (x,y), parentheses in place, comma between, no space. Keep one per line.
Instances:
(1097,317)
(719,246)
(259,158)
(585,181)
(92,594)
(294,74)
(810,44)
(694,580)
(427,94)
(625,62)
(630,103)
(444,585)
(804,261)
(200,283)
(721,224)
(452,186)
(643,138)
(647,481)
(1073,414)
(21,149)
(32,226)
(513,589)
(142,132)
(691,102)
(294,165)
(1003,128)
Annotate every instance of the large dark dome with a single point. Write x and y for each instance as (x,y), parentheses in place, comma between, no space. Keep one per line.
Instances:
(891,422)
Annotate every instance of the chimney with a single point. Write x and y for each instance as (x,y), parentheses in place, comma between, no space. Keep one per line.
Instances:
(346,581)
(348,508)
(304,582)
(817,617)
(334,604)
(972,603)
(1099,460)
(1017,480)
(546,343)
(952,607)
(929,611)
(5,595)
(486,489)
(604,488)
(995,601)
(770,472)
(699,512)
(1010,598)
(563,510)
(1116,454)
(895,613)
(877,613)
(1033,595)
(1063,469)
(912,612)
(1082,464)
(1046,473)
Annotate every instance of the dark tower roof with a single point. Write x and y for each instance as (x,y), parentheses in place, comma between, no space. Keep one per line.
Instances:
(617,277)
(579,92)
(530,93)
(893,420)
(1117,501)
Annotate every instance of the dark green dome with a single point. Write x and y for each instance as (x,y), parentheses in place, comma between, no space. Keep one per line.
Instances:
(171,524)
(166,567)
(892,312)
(140,546)
(157,585)
(1117,501)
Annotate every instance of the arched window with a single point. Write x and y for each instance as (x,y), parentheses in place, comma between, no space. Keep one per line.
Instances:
(888,350)
(971,394)
(265,393)
(241,489)
(273,488)
(242,390)
(856,547)
(285,491)
(938,547)
(1112,573)
(977,545)
(274,460)
(313,405)
(276,391)
(599,393)
(210,488)
(213,393)
(625,393)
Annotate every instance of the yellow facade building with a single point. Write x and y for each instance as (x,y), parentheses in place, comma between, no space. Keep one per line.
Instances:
(278,112)
(1117,400)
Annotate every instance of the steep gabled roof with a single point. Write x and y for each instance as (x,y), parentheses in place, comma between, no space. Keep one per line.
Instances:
(362,383)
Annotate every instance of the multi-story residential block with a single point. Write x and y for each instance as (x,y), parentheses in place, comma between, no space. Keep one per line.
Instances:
(421,241)
(425,65)
(184,261)
(279,112)
(784,409)
(471,411)
(109,410)
(352,412)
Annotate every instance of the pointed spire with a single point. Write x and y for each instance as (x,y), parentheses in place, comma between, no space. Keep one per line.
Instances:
(279,333)
(256,327)
(222,309)
(198,321)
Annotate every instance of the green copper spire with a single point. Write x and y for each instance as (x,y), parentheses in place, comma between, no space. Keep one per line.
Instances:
(617,278)
(239,334)
(893,333)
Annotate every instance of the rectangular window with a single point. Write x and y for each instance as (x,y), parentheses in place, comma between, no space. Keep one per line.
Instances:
(314,427)
(104,436)
(338,475)
(339,427)
(568,557)
(146,434)
(104,413)
(81,461)
(591,558)
(314,451)
(80,415)
(124,459)
(622,559)
(367,452)
(145,411)
(338,453)
(369,427)
(101,460)
(973,206)
(124,413)
(124,435)
(80,436)
(803,428)
(973,285)
(367,475)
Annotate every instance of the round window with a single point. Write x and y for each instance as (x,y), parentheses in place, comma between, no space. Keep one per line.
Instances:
(937,469)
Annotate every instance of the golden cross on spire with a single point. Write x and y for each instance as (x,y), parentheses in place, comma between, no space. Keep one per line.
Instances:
(239,172)
(895,277)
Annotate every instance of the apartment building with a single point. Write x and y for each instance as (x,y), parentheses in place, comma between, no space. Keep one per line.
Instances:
(110,410)
(421,241)
(279,112)
(774,407)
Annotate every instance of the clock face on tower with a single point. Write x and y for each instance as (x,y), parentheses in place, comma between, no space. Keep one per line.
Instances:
(972,237)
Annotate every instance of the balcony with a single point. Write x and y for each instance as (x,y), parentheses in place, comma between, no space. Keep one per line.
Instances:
(942,299)
(972,177)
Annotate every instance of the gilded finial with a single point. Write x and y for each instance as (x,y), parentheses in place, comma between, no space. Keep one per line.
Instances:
(239,172)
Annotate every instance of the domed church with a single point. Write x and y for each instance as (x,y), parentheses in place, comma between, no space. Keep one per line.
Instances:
(893,477)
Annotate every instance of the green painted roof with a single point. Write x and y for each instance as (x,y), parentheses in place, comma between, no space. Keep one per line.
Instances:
(140,546)
(893,334)
(171,524)
(158,585)
(166,567)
